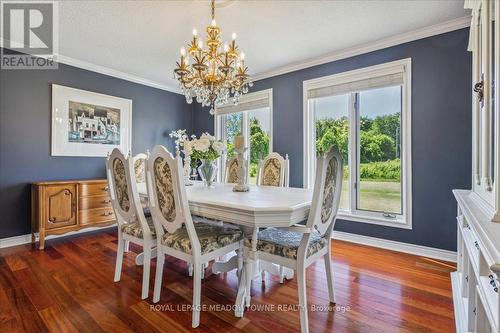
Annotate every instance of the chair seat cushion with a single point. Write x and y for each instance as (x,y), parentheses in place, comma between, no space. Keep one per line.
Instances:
(211,236)
(134,228)
(286,243)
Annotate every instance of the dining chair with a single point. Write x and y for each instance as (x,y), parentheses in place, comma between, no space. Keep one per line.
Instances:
(177,235)
(299,246)
(274,170)
(133,226)
(231,170)
(140,167)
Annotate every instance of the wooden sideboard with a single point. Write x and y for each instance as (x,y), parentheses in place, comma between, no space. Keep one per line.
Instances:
(58,207)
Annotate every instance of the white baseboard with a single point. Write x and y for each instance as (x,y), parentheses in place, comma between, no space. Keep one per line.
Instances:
(345,236)
(418,250)
(25,239)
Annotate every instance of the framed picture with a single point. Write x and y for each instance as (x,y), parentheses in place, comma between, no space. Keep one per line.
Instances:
(85,123)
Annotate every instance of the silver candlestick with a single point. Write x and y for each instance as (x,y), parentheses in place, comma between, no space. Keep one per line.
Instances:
(241,186)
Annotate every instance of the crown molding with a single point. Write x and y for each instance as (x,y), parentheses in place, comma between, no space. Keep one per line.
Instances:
(62,59)
(114,73)
(451,25)
(429,31)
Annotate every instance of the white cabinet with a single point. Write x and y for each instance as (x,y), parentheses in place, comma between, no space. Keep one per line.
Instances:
(476,283)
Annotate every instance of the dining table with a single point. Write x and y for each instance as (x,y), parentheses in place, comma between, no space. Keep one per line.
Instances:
(261,207)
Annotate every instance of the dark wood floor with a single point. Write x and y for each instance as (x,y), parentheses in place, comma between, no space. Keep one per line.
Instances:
(69,287)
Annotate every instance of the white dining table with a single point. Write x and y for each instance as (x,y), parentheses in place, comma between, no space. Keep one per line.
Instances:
(260,207)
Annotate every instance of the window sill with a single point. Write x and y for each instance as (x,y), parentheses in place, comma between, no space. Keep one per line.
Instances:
(396,223)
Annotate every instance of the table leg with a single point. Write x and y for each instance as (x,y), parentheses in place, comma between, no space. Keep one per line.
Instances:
(139,260)
(239,308)
(274,269)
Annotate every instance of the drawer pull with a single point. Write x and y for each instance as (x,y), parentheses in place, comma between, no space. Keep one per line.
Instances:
(105,188)
(474,311)
(52,219)
(476,244)
(467,278)
(106,201)
(107,214)
(493,283)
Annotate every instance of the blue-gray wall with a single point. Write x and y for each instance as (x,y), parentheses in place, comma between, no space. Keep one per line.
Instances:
(25,121)
(441,130)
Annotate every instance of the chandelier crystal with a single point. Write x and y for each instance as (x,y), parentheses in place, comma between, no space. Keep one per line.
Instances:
(217,74)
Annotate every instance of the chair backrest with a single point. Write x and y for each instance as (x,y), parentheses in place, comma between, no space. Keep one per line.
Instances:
(167,195)
(231,172)
(327,190)
(140,167)
(123,191)
(273,171)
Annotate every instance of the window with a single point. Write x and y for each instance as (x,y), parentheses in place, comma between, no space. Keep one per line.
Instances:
(365,114)
(252,118)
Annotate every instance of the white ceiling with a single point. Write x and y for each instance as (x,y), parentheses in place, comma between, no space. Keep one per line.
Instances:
(143,38)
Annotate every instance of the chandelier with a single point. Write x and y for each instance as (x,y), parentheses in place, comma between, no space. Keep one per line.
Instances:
(217,74)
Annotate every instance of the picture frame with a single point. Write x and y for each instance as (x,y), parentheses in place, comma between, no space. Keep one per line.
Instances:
(89,124)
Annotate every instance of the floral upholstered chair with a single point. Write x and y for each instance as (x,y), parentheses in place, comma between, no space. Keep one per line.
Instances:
(133,226)
(140,177)
(273,171)
(177,235)
(299,246)
(231,172)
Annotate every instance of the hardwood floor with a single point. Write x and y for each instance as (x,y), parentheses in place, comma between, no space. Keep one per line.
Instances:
(69,288)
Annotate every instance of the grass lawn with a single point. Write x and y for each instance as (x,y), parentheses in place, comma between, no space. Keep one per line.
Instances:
(375,195)
(378,195)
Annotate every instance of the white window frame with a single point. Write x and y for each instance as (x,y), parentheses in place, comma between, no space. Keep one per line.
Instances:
(353,214)
(219,125)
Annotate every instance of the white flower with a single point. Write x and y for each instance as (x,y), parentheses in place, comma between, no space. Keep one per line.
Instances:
(206,135)
(218,146)
(188,147)
(202,145)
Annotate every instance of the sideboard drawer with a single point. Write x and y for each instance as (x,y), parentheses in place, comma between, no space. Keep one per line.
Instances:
(92,189)
(100,201)
(95,216)
(472,245)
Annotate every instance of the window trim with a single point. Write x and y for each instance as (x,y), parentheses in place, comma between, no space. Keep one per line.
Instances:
(218,125)
(309,149)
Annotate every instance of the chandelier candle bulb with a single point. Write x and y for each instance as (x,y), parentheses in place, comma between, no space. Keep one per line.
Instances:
(234,35)
(217,74)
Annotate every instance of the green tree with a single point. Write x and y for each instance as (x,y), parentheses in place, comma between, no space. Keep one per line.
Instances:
(376,147)
(259,141)
(234,123)
(389,125)
(332,132)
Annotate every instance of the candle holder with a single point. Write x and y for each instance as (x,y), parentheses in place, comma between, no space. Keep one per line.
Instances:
(241,186)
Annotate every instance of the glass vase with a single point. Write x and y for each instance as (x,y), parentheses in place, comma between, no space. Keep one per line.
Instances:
(207,171)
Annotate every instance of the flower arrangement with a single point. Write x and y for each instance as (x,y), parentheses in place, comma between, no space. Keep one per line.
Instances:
(204,148)
(180,136)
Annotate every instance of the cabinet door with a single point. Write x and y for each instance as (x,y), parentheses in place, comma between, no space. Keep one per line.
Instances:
(60,205)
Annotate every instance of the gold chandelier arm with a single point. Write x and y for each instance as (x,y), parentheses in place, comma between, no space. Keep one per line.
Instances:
(216,75)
